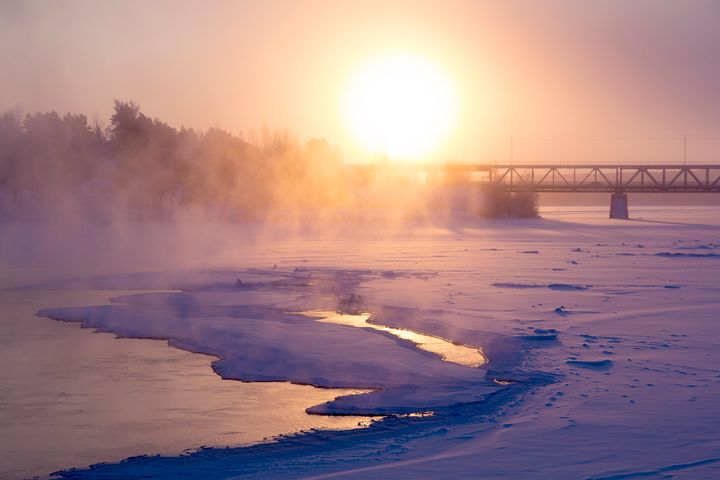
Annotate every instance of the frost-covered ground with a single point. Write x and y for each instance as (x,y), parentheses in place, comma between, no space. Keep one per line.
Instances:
(602,340)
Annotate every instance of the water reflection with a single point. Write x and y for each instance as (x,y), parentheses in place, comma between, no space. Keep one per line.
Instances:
(71,397)
(502,381)
(417,415)
(448,351)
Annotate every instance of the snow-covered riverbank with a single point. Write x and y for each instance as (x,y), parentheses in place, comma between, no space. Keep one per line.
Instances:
(601,338)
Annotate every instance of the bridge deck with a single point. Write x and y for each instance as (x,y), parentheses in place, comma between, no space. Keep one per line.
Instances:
(571,178)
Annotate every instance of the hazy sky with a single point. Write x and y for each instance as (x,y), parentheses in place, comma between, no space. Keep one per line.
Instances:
(552,74)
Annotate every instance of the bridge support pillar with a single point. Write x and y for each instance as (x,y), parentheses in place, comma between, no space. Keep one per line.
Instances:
(619,206)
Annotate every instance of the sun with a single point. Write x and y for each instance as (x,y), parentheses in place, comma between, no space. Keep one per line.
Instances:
(400,105)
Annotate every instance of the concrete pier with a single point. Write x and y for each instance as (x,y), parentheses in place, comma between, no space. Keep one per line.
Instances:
(619,206)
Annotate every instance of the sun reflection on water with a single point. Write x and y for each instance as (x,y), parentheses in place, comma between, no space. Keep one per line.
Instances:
(447,350)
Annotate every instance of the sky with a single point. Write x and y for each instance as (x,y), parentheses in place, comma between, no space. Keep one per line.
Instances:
(536,80)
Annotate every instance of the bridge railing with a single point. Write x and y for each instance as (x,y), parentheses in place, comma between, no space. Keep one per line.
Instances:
(626,178)
(572,178)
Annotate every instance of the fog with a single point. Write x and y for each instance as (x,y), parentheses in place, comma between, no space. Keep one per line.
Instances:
(142,194)
(570,81)
(56,167)
(551,81)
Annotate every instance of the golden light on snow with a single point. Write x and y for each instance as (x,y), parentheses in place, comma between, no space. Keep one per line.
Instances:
(400,105)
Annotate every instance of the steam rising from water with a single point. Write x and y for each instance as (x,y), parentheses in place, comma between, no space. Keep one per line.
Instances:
(143,194)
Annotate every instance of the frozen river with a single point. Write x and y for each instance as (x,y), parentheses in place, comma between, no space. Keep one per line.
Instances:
(71,397)
(600,337)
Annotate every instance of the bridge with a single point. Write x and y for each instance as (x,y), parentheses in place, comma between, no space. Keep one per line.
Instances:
(618,179)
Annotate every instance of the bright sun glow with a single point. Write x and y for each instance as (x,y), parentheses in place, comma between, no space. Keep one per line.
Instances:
(400,105)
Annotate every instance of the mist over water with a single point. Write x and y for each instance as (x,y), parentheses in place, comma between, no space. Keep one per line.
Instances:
(141,194)
(175,274)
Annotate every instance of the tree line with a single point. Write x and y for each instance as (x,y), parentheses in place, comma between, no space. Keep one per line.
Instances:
(148,168)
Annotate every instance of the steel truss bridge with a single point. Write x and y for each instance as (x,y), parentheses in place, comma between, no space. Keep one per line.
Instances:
(568,178)
(615,179)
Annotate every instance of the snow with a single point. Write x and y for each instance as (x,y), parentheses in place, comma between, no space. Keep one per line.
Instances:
(610,374)
(269,343)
